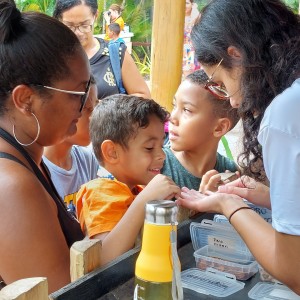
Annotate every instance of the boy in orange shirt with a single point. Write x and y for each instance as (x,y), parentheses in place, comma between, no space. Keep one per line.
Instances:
(127,134)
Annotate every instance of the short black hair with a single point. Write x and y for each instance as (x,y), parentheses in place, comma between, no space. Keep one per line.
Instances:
(118,118)
(63,5)
(221,108)
(115,27)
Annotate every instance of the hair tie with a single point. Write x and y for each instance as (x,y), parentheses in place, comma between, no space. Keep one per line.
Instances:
(243,207)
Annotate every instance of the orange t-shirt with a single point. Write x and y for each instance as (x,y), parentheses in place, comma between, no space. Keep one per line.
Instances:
(101,204)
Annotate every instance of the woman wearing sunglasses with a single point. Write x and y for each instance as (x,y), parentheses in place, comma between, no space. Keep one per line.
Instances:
(45,81)
(250,51)
(80,17)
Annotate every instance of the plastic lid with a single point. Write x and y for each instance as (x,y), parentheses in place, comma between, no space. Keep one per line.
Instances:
(268,291)
(220,219)
(210,282)
(220,235)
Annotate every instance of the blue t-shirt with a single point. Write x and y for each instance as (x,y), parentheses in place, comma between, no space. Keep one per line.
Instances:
(68,182)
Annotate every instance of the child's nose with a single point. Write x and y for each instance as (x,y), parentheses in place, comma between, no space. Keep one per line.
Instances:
(173,116)
(161,155)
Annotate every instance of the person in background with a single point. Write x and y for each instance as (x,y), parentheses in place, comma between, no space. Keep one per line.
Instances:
(70,162)
(113,32)
(127,135)
(189,63)
(196,125)
(45,78)
(72,208)
(256,67)
(80,16)
(113,15)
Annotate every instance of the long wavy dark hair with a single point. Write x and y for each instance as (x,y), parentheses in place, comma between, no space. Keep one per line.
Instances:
(267,34)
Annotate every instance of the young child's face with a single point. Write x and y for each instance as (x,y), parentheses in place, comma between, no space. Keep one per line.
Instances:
(192,120)
(144,157)
(82,136)
(110,33)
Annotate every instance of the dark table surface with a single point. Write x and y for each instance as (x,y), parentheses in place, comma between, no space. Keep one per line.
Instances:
(187,260)
(115,281)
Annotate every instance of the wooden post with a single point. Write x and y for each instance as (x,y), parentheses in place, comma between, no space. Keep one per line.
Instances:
(24,289)
(166,50)
(85,257)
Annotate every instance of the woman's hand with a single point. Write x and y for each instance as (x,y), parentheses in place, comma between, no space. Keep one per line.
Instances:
(249,189)
(208,202)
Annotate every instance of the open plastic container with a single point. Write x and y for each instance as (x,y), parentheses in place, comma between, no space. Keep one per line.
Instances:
(272,291)
(220,247)
(210,282)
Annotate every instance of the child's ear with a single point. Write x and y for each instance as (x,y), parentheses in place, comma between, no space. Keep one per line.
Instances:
(222,127)
(109,152)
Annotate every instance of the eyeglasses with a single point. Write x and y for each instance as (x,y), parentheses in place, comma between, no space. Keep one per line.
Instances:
(84,95)
(81,28)
(216,89)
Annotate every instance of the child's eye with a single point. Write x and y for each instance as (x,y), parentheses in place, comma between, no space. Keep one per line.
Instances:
(186,110)
(149,149)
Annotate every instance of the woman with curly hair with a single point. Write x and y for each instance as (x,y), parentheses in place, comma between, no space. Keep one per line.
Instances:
(250,51)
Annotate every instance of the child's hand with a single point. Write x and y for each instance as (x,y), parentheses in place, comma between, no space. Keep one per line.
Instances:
(159,188)
(211,180)
(106,17)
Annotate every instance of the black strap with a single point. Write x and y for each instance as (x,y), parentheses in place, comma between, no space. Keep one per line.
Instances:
(6,136)
(11,157)
(71,230)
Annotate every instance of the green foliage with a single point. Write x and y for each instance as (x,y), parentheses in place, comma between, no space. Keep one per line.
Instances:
(143,62)
(293,4)
(136,15)
(44,6)
(138,18)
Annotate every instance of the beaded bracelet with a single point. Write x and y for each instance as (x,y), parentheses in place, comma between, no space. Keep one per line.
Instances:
(243,207)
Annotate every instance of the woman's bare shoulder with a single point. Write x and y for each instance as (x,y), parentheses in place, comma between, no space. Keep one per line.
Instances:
(30,231)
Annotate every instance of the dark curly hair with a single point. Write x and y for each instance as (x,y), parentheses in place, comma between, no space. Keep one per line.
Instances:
(267,34)
(118,118)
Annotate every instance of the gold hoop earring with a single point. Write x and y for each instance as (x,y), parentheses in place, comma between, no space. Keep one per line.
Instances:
(37,136)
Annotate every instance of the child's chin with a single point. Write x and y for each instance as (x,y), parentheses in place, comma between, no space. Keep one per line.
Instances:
(175,147)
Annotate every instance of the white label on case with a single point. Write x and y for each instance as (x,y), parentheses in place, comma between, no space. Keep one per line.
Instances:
(221,242)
